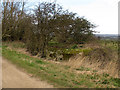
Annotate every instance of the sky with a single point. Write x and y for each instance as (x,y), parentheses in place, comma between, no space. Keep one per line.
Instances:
(103,13)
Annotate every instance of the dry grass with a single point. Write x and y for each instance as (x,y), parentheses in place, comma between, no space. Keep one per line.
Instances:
(73,73)
(96,61)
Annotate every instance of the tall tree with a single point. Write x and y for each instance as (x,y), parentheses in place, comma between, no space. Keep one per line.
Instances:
(12,20)
(82,30)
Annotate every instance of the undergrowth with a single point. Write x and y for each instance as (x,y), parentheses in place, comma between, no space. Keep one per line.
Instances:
(56,74)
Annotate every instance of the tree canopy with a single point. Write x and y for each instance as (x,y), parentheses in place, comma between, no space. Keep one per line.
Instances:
(48,21)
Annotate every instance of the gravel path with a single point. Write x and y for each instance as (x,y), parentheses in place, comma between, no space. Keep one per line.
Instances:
(13,77)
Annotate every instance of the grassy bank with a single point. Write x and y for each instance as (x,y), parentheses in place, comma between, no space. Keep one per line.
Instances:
(56,74)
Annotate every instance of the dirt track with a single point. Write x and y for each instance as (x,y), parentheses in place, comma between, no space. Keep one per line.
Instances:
(12,77)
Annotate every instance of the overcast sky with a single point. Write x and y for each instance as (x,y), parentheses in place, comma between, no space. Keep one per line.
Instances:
(103,13)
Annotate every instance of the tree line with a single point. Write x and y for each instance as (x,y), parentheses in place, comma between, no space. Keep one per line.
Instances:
(47,21)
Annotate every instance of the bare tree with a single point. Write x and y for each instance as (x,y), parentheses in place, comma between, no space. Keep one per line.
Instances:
(13,13)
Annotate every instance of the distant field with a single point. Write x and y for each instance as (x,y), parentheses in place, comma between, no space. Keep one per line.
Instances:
(107,36)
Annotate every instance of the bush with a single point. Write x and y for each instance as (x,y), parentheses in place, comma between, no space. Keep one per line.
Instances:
(67,53)
(74,46)
(72,51)
(86,51)
(102,54)
(67,56)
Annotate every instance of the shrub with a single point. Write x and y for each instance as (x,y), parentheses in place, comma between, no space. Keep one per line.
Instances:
(102,54)
(74,46)
(67,56)
(86,52)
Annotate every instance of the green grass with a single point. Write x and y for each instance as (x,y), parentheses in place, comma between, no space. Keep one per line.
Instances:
(83,69)
(77,50)
(113,44)
(95,71)
(58,75)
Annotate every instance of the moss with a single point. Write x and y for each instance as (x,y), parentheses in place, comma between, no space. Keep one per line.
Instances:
(72,51)
(67,53)
(86,51)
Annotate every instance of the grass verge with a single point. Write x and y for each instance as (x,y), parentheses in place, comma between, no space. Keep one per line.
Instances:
(57,75)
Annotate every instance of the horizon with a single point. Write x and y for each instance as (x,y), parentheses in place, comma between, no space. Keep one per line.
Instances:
(105,33)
